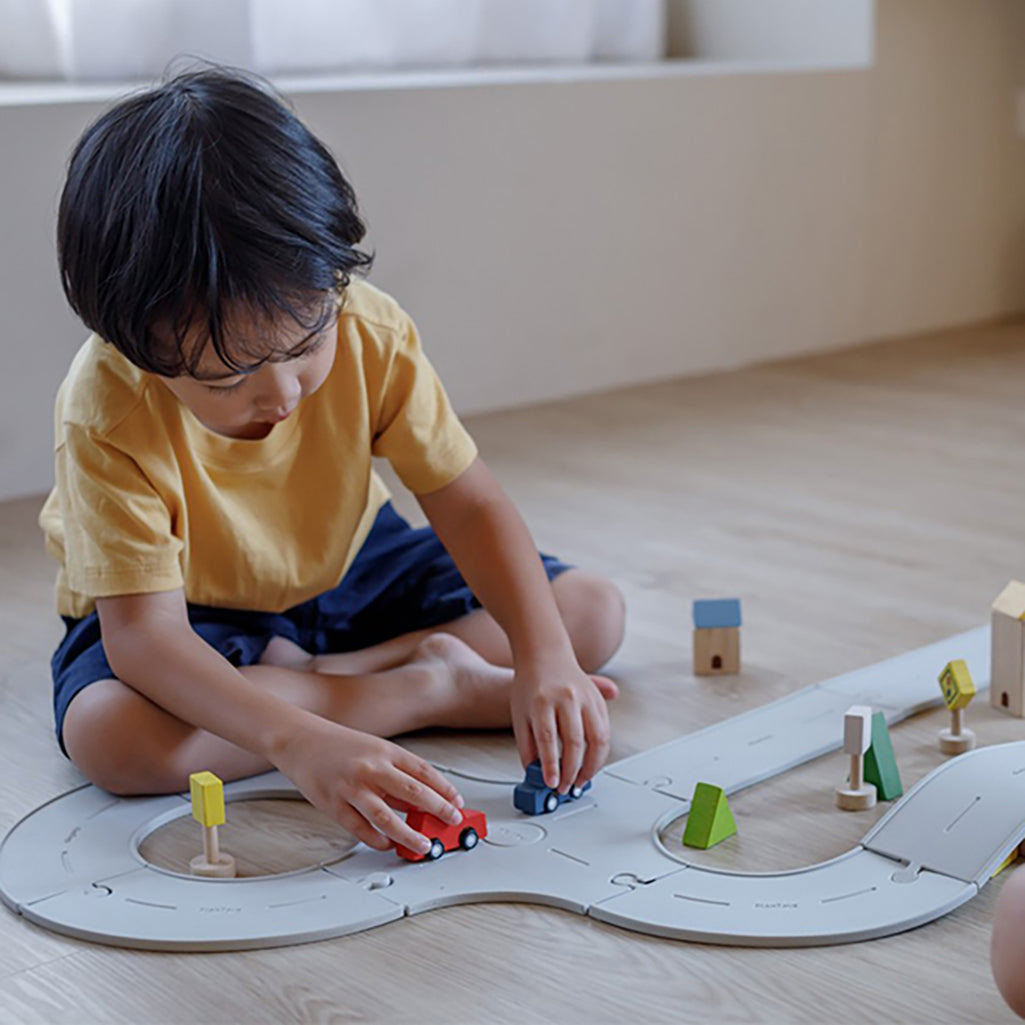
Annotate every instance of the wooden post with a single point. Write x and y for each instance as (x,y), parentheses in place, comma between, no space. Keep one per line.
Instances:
(958,690)
(207,793)
(211,847)
(857,778)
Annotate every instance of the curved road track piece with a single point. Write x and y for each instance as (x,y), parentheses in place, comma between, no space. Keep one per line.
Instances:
(74,866)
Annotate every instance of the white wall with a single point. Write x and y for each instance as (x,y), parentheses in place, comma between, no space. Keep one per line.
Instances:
(559,236)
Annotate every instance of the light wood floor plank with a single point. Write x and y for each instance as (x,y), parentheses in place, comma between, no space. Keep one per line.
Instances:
(859,503)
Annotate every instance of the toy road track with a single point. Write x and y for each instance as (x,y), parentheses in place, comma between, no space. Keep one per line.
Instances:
(74,866)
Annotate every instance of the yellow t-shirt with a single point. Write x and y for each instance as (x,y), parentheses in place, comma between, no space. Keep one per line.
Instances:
(148,499)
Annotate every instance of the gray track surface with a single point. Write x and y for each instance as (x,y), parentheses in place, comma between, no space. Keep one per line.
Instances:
(73,865)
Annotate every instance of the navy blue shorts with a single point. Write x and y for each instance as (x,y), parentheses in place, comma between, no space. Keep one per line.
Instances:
(401,580)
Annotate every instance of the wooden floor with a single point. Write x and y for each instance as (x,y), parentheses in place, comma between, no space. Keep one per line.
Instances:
(860,504)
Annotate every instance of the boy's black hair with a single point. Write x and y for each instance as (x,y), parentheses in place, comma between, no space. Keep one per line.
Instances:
(200,198)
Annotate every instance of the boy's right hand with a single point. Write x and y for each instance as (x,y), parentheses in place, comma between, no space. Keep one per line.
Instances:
(362,782)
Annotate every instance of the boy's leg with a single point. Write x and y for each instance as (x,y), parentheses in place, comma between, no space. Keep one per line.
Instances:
(591,607)
(127,744)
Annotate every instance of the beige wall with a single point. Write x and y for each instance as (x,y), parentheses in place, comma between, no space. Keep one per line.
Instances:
(838,33)
(944,200)
(572,233)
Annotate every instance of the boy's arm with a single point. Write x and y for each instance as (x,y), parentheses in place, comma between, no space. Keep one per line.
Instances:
(355,778)
(553,700)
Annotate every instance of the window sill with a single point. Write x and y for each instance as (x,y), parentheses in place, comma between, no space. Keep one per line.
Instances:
(23,93)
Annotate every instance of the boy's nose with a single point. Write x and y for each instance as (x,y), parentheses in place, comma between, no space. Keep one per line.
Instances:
(281,389)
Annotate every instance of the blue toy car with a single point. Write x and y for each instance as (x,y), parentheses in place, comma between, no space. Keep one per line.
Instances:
(534,797)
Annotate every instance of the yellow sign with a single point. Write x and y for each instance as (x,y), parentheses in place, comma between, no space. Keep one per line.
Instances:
(956,684)
(207,793)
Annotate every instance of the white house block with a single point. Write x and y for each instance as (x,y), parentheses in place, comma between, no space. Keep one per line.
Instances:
(1007,679)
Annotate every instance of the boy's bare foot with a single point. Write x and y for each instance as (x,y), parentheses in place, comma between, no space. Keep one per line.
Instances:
(479,690)
(442,682)
(472,693)
(280,651)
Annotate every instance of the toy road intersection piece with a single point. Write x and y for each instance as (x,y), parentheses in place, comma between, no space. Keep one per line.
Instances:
(74,865)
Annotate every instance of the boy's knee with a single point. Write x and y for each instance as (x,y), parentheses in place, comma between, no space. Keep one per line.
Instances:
(128,771)
(594,611)
(108,741)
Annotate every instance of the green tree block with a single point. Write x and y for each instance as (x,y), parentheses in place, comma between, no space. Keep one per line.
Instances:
(880,764)
(710,819)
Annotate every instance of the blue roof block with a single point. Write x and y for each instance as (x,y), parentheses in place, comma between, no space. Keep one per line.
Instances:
(717,613)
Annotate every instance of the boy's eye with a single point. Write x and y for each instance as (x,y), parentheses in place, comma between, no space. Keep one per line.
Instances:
(308,350)
(225,389)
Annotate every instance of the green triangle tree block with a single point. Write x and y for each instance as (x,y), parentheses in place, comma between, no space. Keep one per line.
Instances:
(880,764)
(710,819)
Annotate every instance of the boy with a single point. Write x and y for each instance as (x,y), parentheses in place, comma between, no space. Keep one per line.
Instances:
(237,590)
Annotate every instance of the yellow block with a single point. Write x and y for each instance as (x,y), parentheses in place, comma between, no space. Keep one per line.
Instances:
(956,683)
(207,798)
(1015,854)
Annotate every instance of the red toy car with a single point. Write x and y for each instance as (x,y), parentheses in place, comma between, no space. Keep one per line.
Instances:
(443,836)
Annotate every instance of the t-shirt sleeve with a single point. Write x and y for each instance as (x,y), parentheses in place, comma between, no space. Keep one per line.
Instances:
(117,529)
(415,427)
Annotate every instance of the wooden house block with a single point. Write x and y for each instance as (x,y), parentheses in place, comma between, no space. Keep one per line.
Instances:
(716,652)
(716,637)
(1007,653)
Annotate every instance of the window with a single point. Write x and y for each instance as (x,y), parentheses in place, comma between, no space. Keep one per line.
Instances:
(93,40)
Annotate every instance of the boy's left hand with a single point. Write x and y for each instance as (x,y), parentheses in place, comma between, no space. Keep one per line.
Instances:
(557,706)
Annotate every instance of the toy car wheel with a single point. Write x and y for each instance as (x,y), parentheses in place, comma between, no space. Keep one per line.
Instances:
(468,839)
(436,851)
(551,801)
(575,792)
